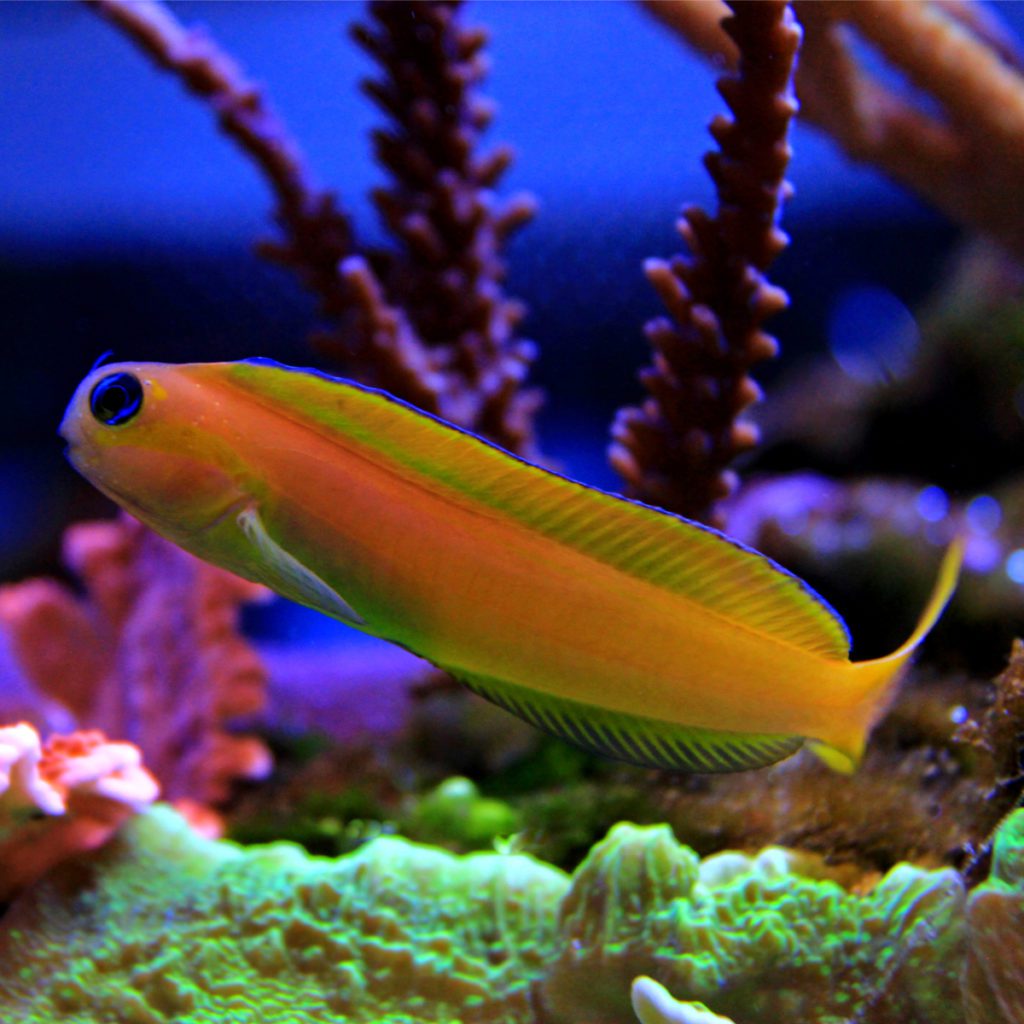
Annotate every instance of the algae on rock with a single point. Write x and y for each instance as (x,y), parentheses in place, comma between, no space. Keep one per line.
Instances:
(994,972)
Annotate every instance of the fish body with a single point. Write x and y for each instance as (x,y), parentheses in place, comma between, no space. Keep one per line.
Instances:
(618,626)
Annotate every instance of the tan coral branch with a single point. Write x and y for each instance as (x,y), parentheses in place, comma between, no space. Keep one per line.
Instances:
(675,450)
(969,160)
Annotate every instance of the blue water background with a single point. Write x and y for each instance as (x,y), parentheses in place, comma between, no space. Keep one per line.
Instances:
(126,220)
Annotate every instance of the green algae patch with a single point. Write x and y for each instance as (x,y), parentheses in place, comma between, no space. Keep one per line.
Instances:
(165,926)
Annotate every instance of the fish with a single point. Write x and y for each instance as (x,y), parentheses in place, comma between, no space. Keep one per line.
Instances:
(622,628)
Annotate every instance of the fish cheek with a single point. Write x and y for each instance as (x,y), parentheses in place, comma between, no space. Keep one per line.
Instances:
(176,493)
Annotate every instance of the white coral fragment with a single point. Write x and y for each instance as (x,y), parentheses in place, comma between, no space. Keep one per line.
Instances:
(22,789)
(653,1004)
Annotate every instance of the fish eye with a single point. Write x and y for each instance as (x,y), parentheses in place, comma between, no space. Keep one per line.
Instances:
(116,399)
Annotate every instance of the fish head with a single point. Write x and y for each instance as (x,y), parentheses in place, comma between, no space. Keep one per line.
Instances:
(152,437)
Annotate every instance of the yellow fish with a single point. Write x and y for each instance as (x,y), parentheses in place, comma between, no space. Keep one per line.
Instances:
(621,628)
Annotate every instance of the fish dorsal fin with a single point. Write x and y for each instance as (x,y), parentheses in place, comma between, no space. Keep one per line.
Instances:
(647,742)
(683,557)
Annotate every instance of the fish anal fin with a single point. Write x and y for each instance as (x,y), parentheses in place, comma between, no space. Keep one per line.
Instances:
(647,742)
(282,571)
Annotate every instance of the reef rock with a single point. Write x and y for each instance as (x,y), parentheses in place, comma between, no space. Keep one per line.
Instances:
(994,974)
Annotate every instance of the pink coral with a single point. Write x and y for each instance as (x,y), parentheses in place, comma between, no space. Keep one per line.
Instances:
(151,653)
(59,799)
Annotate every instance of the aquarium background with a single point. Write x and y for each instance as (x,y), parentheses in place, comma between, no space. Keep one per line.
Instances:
(893,894)
(127,221)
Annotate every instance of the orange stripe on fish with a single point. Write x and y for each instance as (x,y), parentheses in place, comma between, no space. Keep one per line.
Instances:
(622,628)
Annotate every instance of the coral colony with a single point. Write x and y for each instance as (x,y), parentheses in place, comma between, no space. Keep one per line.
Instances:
(792,894)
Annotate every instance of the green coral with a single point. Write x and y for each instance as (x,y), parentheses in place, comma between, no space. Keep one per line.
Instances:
(455,813)
(164,926)
(772,937)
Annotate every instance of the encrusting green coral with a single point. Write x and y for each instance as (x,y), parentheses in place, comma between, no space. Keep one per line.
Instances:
(163,926)
(166,926)
(775,937)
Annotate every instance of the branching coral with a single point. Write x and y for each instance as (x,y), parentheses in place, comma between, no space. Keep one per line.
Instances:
(674,450)
(443,211)
(967,157)
(152,654)
(61,798)
(430,323)
(998,742)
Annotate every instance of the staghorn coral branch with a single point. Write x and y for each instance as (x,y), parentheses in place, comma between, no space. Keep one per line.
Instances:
(318,233)
(967,160)
(448,272)
(674,450)
(318,236)
(434,327)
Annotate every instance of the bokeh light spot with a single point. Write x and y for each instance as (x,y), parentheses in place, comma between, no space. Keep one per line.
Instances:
(871,334)
(932,504)
(984,514)
(1015,565)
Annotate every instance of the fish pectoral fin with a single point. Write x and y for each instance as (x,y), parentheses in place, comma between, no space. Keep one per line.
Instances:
(647,742)
(283,572)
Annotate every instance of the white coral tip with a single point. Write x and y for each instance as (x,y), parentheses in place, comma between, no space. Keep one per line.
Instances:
(21,786)
(653,1005)
(114,771)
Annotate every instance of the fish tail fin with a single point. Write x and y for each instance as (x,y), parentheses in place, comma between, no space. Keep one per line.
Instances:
(872,682)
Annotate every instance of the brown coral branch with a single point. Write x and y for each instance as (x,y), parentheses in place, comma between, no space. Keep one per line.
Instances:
(318,233)
(318,237)
(150,654)
(674,450)
(998,741)
(435,328)
(448,273)
(968,158)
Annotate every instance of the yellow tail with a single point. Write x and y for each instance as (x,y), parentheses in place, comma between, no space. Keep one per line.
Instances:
(872,681)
